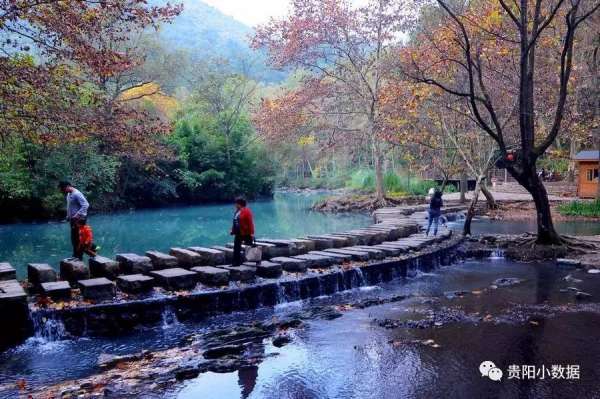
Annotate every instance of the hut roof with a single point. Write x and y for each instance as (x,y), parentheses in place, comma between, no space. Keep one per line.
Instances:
(589,155)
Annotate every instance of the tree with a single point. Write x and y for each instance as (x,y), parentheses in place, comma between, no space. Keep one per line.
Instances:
(472,56)
(344,49)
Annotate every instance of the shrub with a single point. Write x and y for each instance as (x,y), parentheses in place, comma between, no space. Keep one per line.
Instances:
(364,180)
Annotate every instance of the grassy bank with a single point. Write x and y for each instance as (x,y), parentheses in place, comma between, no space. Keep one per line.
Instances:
(580,208)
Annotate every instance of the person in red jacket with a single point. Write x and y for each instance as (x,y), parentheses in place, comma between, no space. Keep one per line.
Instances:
(86,240)
(242,229)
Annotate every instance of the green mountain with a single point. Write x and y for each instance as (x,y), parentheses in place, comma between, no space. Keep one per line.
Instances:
(206,32)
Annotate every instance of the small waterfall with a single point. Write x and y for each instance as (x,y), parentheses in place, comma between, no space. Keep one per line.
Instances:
(48,328)
(168,318)
(497,253)
(281,294)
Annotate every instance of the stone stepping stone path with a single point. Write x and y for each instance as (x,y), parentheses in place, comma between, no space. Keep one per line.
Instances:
(58,290)
(104,267)
(292,265)
(240,273)
(97,289)
(161,260)
(135,283)
(7,272)
(134,263)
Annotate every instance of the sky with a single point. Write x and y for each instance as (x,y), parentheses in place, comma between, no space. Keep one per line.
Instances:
(255,12)
(251,12)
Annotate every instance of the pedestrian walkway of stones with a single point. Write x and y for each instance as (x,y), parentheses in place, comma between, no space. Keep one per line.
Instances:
(199,269)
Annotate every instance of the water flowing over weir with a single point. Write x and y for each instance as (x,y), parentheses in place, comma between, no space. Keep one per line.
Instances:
(315,266)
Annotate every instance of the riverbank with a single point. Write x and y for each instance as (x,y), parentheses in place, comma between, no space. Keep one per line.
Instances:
(349,201)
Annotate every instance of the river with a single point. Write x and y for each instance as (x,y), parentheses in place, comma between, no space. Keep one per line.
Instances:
(287,215)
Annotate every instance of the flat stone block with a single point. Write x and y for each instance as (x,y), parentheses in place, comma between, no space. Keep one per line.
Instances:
(209,256)
(336,242)
(57,290)
(175,279)
(292,265)
(357,239)
(11,292)
(389,250)
(73,269)
(266,269)
(7,272)
(161,260)
(186,257)
(209,275)
(104,267)
(271,250)
(321,243)
(356,255)
(350,239)
(339,258)
(97,289)
(303,246)
(135,283)
(316,261)
(240,273)
(373,252)
(38,273)
(228,252)
(134,263)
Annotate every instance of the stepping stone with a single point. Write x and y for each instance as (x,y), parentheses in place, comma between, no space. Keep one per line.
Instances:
(267,249)
(303,246)
(134,263)
(11,292)
(271,250)
(374,253)
(135,283)
(97,289)
(209,275)
(322,243)
(57,290)
(104,267)
(175,279)
(240,273)
(161,260)
(336,242)
(317,261)
(266,269)
(388,250)
(357,239)
(285,248)
(292,265)
(38,273)
(186,257)
(228,252)
(356,255)
(349,239)
(7,272)
(337,257)
(209,256)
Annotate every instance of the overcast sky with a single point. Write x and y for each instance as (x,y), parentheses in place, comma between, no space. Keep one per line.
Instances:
(254,12)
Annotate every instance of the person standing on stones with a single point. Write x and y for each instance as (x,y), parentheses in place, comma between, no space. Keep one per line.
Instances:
(435,211)
(77,209)
(242,229)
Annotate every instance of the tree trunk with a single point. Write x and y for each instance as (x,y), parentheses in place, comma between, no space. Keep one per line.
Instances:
(379,183)
(491,202)
(472,205)
(528,178)
(463,187)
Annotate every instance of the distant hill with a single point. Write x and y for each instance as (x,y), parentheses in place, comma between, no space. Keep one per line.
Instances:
(207,32)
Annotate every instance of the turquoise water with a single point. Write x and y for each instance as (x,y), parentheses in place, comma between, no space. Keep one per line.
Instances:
(286,216)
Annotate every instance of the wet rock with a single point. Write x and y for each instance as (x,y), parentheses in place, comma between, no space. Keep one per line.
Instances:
(291,264)
(507,281)
(187,373)
(186,257)
(570,279)
(281,340)
(240,273)
(107,361)
(580,295)
(222,351)
(266,269)
(456,294)
(594,271)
